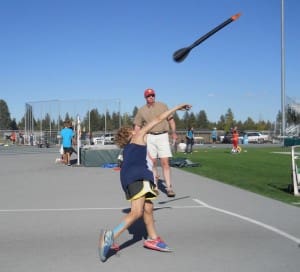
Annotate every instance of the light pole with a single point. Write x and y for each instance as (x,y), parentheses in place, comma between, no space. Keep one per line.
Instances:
(282,70)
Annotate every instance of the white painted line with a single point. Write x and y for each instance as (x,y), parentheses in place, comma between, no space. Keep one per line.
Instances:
(88,209)
(59,210)
(253,221)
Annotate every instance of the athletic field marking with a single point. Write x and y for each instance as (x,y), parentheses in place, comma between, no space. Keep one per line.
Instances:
(201,203)
(58,210)
(253,221)
(87,209)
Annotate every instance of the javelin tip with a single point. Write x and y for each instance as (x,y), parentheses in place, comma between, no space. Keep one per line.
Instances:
(236,16)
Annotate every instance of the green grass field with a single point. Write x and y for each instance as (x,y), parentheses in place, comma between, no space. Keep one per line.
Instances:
(258,170)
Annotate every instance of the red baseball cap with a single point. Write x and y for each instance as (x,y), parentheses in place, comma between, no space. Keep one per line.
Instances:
(148,92)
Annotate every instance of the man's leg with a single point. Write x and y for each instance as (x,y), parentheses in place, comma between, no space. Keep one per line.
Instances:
(167,175)
(155,171)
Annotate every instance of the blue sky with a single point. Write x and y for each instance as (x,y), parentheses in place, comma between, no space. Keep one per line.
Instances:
(114,49)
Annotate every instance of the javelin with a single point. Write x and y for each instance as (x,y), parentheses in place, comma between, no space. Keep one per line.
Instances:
(182,53)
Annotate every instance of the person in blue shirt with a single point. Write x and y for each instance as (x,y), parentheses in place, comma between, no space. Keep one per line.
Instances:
(214,135)
(67,135)
(138,184)
(189,136)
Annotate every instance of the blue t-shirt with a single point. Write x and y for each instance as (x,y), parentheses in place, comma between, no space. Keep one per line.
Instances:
(214,134)
(190,134)
(67,135)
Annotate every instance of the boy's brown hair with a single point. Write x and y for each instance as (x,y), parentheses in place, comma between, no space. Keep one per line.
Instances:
(123,136)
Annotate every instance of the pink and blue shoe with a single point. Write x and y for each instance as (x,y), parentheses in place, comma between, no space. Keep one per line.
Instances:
(157,244)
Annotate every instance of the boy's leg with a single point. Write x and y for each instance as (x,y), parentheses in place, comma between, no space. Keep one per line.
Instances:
(149,219)
(107,238)
(135,213)
(153,241)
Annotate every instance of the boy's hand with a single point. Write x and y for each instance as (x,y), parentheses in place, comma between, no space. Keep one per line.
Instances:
(186,107)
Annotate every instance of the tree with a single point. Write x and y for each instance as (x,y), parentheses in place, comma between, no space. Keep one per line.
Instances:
(13,125)
(249,124)
(178,121)
(47,122)
(95,120)
(292,116)
(5,120)
(127,119)
(185,120)
(221,122)
(229,120)
(135,110)
(116,120)
(202,120)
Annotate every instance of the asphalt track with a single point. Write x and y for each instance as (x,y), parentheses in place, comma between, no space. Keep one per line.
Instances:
(51,216)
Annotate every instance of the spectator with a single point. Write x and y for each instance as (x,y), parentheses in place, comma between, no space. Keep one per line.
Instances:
(235,140)
(13,137)
(214,135)
(67,135)
(189,136)
(158,144)
(31,139)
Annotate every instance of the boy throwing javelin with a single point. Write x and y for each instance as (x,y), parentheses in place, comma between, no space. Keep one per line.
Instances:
(137,181)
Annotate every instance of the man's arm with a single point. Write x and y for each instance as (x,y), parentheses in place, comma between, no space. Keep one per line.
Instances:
(172,125)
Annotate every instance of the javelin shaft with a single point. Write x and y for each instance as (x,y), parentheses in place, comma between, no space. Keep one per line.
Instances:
(213,31)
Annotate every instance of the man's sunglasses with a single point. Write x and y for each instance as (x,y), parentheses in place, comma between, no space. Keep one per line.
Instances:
(150,95)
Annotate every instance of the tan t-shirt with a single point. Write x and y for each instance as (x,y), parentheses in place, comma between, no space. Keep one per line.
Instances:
(147,113)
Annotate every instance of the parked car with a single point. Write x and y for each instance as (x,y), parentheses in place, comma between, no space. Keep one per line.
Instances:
(107,138)
(227,138)
(258,137)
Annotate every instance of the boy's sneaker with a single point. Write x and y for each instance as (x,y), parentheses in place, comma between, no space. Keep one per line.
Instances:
(156,244)
(115,247)
(105,242)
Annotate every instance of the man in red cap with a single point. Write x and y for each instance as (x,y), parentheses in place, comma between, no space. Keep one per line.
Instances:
(158,144)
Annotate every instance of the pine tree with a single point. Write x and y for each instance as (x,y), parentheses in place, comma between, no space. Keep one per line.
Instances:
(5,120)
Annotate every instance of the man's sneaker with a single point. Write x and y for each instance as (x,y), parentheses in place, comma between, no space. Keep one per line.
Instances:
(156,244)
(170,192)
(105,242)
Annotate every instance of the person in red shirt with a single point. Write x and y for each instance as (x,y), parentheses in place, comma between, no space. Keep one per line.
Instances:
(235,139)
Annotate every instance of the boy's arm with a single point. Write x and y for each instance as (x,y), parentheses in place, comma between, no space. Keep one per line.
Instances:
(163,116)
